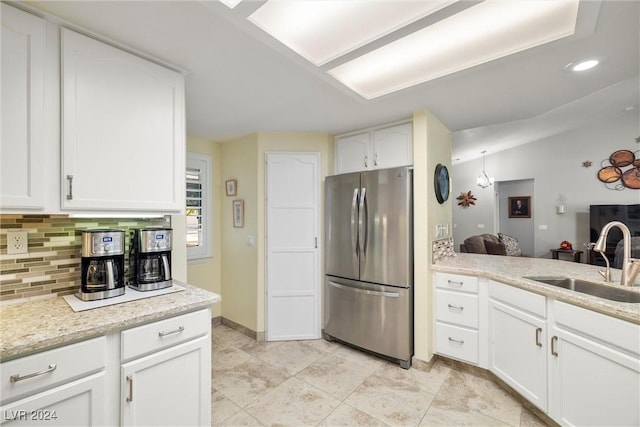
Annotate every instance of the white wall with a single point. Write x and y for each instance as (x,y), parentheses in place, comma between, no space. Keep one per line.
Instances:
(520,228)
(555,165)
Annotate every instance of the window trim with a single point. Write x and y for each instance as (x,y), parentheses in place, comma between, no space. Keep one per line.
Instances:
(204,250)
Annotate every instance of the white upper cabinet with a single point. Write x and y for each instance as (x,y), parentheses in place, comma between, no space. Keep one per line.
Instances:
(123,132)
(22,144)
(377,148)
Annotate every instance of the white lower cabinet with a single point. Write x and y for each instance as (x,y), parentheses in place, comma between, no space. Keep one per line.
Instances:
(157,374)
(60,387)
(518,343)
(169,388)
(595,369)
(580,367)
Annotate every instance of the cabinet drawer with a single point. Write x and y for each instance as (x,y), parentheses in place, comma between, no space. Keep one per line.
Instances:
(459,343)
(609,330)
(50,368)
(524,300)
(457,282)
(457,307)
(164,333)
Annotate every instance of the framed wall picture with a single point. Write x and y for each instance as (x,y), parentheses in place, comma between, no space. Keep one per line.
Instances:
(520,207)
(231,186)
(238,213)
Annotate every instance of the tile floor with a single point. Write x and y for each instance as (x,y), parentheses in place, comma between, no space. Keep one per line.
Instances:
(320,383)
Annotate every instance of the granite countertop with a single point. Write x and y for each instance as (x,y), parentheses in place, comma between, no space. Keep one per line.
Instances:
(32,327)
(513,270)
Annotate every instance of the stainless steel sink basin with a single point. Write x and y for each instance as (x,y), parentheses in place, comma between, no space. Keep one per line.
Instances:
(595,289)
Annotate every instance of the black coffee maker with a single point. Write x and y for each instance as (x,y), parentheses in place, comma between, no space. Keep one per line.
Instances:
(150,259)
(102,264)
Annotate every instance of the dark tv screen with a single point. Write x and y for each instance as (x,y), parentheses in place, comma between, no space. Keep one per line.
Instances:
(600,215)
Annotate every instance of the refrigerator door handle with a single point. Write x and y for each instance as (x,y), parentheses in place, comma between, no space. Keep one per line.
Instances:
(354,225)
(365,291)
(363,217)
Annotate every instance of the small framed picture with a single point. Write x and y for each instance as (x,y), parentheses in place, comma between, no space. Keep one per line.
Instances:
(520,207)
(238,213)
(231,186)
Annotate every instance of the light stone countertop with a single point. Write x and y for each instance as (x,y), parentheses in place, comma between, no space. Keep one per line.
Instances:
(35,326)
(513,270)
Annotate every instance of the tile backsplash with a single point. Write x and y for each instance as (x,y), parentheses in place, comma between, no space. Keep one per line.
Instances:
(52,266)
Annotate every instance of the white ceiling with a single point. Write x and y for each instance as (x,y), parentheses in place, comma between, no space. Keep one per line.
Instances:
(241,81)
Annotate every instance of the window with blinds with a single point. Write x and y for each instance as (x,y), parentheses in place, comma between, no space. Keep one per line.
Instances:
(197,202)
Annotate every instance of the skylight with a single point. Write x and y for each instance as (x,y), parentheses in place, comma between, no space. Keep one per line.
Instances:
(322,30)
(482,33)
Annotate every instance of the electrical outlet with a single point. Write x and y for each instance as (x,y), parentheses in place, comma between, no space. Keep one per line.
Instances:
(17,242)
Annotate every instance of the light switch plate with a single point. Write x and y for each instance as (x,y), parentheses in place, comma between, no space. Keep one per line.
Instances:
(17,242)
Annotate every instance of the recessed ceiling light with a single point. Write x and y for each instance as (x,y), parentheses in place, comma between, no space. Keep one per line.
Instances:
(322,30)
(479,34)
(584,65)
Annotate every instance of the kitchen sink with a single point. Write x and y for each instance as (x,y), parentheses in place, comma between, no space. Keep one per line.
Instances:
(590,288)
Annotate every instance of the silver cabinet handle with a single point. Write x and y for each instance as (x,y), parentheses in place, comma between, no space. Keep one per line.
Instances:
(375,160)
(456,341)
(17,377)
(538,332)
(453,282)
(130,381)
(175,331)
(554,340)
(366,161)
(70,179)
(455,307)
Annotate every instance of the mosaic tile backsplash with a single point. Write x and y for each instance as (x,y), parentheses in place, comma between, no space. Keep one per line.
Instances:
(52,266)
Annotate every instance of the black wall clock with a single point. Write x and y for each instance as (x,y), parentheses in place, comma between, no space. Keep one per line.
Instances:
(441,183)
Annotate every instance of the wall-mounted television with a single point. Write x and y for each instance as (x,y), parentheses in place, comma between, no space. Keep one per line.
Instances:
(600,215)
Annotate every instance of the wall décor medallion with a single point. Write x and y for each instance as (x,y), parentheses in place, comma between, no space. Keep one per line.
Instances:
(466,199)
(622,170)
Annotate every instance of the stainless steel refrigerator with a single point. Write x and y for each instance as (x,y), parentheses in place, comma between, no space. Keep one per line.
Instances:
(369,261)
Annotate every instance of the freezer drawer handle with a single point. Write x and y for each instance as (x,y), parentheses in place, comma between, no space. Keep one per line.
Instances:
(364,291)
(455,307)
(17,377)
(453,340)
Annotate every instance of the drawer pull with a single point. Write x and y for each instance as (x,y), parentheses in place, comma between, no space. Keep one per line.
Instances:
(18,377)
(70,179)
(457,283)
(130,381)
(538,332)
(453,340)
(455,307)
(175,331)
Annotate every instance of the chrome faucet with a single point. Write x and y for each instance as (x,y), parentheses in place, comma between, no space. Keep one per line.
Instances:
(630,266)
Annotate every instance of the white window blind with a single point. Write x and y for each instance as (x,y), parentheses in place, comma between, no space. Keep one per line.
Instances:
(197,206)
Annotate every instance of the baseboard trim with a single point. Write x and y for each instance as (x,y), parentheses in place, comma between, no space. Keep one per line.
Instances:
(258,336)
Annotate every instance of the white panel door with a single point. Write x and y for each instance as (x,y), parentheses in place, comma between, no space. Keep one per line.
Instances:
(22,142)
(293,253)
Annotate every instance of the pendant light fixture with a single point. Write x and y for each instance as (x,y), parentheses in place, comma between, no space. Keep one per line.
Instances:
(483,179)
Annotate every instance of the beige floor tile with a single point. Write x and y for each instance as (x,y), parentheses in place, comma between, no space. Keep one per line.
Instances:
(444,417)
(348,416)
(360,357)
(241,419)
(529,419)
(222,408)
(227,357)
(292,356)
(224,335)
(293,403)
(464,393)
(334,375)
(248,381)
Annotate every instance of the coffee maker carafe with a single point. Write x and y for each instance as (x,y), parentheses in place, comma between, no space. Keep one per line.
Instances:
(102,264)
(150,259)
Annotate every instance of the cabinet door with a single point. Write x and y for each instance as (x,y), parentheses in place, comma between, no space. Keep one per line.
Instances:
(393,146)
(592,385)
(22,143)
(122,130)
(79,403)
(353,153)
(518,351)
(169,388)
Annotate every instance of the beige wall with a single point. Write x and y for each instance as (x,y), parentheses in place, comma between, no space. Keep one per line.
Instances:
(431,145)
(205,273)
